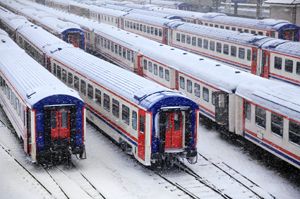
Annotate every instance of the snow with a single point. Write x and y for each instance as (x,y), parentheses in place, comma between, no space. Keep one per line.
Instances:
(117,175)
(283,1)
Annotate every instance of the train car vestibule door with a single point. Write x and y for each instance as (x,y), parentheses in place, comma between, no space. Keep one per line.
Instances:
(174,130)
(60,127)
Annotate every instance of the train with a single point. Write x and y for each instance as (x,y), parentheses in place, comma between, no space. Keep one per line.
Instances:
(261,55)
(155,124)
(263,111)
(47,116)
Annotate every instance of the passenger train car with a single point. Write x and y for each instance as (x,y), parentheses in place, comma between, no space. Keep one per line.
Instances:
(263,111)
(67,31)
(47,116)
(153,123)
(245,51)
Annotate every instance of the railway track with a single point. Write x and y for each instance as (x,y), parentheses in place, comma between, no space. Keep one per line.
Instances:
(209,179)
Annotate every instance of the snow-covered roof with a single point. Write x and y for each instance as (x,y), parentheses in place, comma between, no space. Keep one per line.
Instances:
(31,80)
(290,2)
(13,20)
(283,46)
(221,34)
(147,19)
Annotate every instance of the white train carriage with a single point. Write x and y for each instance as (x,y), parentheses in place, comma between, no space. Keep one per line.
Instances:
(268,114)
(46,115)
(69,32)
(269,27)
(282,61)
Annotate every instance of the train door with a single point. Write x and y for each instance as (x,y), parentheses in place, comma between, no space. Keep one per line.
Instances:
(290,34)
(27,142)
(173,130)
(254,60)
(264,72)
(74,39)
(221,108)
(165,35)
(60,124)
(141,134)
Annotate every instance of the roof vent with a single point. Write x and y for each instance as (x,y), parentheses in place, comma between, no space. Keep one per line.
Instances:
(201,59)
(184,53)
(172,49)
(160,44)
(3,41)
(59,49)
(237,72)
(218,65)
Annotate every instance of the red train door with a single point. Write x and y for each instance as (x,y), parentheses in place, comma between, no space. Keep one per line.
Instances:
(60,124)
(74,40)
(141,135)
(173,139)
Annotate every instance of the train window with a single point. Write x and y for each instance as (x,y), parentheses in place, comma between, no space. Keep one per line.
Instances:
(288,65)
(233,28)
(124,53)
(253,32)
(233,51)
(155,69)
(189,86)
(206,24)
(248,54)
(64,75)
(183,38)
(144,28)
(98,96)
(294,132)
(58,72)
(205,43)
(216,25)
(213,99)
(125,114)
(167,75)
(194,41)
(188,39)
(247,110)
(212,45)
(83,87)
(116,108)
(260,33)
(108,45)
(76,83)
(116,49)
(205,94)
(246,30)
(242,53)
(70,78)
(120,51)
(134,120)
(134,26)
(182,82)
(277,124)
(101,41)
(222,27)
(200,42)
(219,47)
(260,117)
(160,32)
(54,69)
(112,47)
(298,68)
(278,63)
(106,102)
(128,55)
(141,27)
(150,66)
(142,123)
(227,27)
(240,30)
(130,23)
(211,25)
(145,64)
(156,31)
(161,72)
(152,30)
(226,49)
(148,29)
(197,90)
(177,37)
(90,91)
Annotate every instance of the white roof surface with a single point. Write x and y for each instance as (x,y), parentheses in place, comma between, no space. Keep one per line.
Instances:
(27,76)
(283,1)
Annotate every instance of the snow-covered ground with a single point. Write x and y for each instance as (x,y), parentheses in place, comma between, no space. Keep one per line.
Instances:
(116,175)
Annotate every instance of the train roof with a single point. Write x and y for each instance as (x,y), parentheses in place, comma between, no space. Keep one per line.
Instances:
(107,11)
(32,81)
(148,19)
(283,46)
(222,34)
(265,24)
(11,19)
